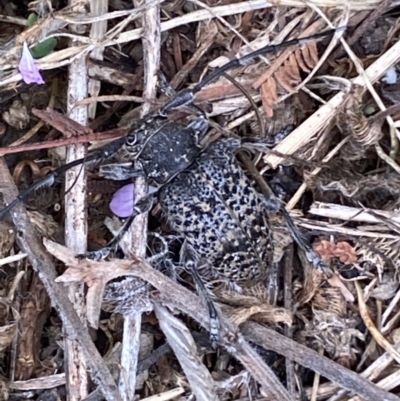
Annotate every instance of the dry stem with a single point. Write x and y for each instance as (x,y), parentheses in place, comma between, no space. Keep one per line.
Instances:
(75,226)
(136,237)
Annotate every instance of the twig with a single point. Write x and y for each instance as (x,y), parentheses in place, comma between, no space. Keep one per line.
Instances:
(36,128)
(136,238)
(347,213)
(75,226)
(185,349)
(394,133)
(325,55)
(387,159)
(12,258)
(288,304)
(364,26)
(311,30)
(166,395)
(345,378)
(316,381)
(153,358)
(33,316)
(56,143)
(299,193)
(63,58)
(371,373)
(130,354)
(40,383)
(28,242)
(206,40)
(97,32)
(371,326)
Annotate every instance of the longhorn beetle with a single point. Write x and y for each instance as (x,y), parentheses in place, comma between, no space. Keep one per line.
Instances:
(204,194)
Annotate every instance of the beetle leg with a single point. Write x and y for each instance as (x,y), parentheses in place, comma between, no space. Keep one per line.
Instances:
(191,265)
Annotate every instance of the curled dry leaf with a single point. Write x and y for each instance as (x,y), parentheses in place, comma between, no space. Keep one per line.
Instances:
(385,291)
(9,318)
(94,274)
(263,313)
(330,300)
(345,252)
(88,271)
(324,249)
(17,116)
(7,238)
(251,304)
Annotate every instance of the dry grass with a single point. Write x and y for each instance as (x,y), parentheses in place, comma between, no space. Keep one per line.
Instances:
(344,149)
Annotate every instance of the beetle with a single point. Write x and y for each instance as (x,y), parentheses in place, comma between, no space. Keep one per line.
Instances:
(203,192)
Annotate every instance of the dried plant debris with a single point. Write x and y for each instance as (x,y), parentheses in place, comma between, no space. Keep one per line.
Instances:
(337,336)
(148,329)
(344,180)
(342,250)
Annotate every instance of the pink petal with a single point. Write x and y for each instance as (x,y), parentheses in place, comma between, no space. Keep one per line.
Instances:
(123,201)
(28,69)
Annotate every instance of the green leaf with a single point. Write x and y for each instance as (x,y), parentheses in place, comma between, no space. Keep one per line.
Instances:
(32,19)
(44,48)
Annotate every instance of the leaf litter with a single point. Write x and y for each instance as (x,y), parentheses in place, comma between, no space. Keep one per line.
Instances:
(346,165)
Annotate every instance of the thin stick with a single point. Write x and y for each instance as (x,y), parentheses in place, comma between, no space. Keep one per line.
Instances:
(185,349)
(166,395)
(62,58)
(39,383)
(75,227)
(271,340)
(348,213)
(371,373)
(360,69)
(288,304)
(56,143)
(316,381)
(136,238)
(97,32)
(372,328)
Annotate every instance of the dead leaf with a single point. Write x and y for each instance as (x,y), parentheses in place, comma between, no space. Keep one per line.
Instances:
(385,291)
(269,96)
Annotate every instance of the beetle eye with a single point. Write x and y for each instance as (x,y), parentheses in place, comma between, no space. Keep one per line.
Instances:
(131,139)
(134,138)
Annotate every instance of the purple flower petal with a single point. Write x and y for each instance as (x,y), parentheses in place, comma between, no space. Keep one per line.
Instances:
(123,201)
(28,69)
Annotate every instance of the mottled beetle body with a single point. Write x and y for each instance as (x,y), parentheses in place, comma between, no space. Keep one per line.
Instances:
(222,217)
